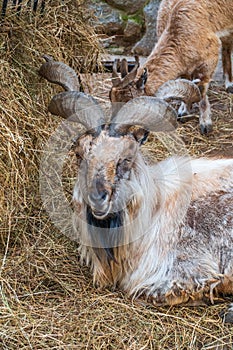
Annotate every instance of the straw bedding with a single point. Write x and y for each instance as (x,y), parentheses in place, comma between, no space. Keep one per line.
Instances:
(47,300)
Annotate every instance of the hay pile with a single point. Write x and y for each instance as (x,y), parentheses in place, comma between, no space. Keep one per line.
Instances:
(47,300)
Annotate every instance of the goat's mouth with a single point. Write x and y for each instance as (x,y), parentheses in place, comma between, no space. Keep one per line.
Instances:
(101,214)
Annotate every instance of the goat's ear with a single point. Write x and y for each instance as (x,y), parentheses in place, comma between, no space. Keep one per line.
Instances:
(140,84)
(141,135)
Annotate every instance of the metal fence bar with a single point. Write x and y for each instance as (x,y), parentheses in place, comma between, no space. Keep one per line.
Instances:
(4,6)
(35,4)
(17,5)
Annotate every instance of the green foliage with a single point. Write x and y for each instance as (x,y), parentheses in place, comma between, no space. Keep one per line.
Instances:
(137,17)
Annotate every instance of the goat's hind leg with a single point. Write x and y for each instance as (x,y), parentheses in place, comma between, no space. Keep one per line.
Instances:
(204,72)
(227,47)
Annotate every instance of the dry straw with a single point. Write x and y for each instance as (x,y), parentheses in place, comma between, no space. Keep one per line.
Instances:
(47,300)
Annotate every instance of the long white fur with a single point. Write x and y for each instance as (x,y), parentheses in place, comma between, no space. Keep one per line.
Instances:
(164,191)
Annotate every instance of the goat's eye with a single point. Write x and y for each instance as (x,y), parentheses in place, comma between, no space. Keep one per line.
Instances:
(126,162)
(123,167)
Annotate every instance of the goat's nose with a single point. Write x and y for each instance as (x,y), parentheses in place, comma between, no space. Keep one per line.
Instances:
(98,196)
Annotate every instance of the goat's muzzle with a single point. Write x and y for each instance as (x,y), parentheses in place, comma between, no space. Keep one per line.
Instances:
(100,200)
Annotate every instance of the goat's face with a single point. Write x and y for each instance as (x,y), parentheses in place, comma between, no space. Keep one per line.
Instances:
(124,86)
(140,82)
(124,94)
(109,152)
(121,95)
(106,163)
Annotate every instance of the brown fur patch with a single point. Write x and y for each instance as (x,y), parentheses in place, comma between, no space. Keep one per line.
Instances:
(226,286)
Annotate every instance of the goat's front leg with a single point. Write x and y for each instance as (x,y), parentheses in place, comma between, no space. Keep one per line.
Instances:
(205,111)
(192,292)
(227,47)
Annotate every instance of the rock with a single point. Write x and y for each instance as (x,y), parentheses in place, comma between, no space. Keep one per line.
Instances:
(124,26)
(116,50)
(132,31)
(129,6)
(108,20)
(146,44)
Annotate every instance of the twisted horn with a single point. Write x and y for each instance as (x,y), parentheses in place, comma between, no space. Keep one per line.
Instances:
(148,112)
(179,89)
(80,108)
(59,73)
(126,78)
(124,67)
(131,75)
(116,80)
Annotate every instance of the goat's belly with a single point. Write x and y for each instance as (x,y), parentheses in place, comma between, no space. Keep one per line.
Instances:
(211,216)
(197,276)
(203,264)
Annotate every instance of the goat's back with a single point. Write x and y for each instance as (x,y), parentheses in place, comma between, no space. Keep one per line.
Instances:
(214,14)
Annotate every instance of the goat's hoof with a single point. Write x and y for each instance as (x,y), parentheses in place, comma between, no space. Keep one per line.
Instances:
(227,315)
(229,89)
(206,128)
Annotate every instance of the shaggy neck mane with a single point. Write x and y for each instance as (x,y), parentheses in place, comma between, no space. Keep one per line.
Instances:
(104,233)
(131,238)
(111,246)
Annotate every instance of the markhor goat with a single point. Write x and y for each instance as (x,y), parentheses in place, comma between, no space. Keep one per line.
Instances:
(164,231)
(190,35)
